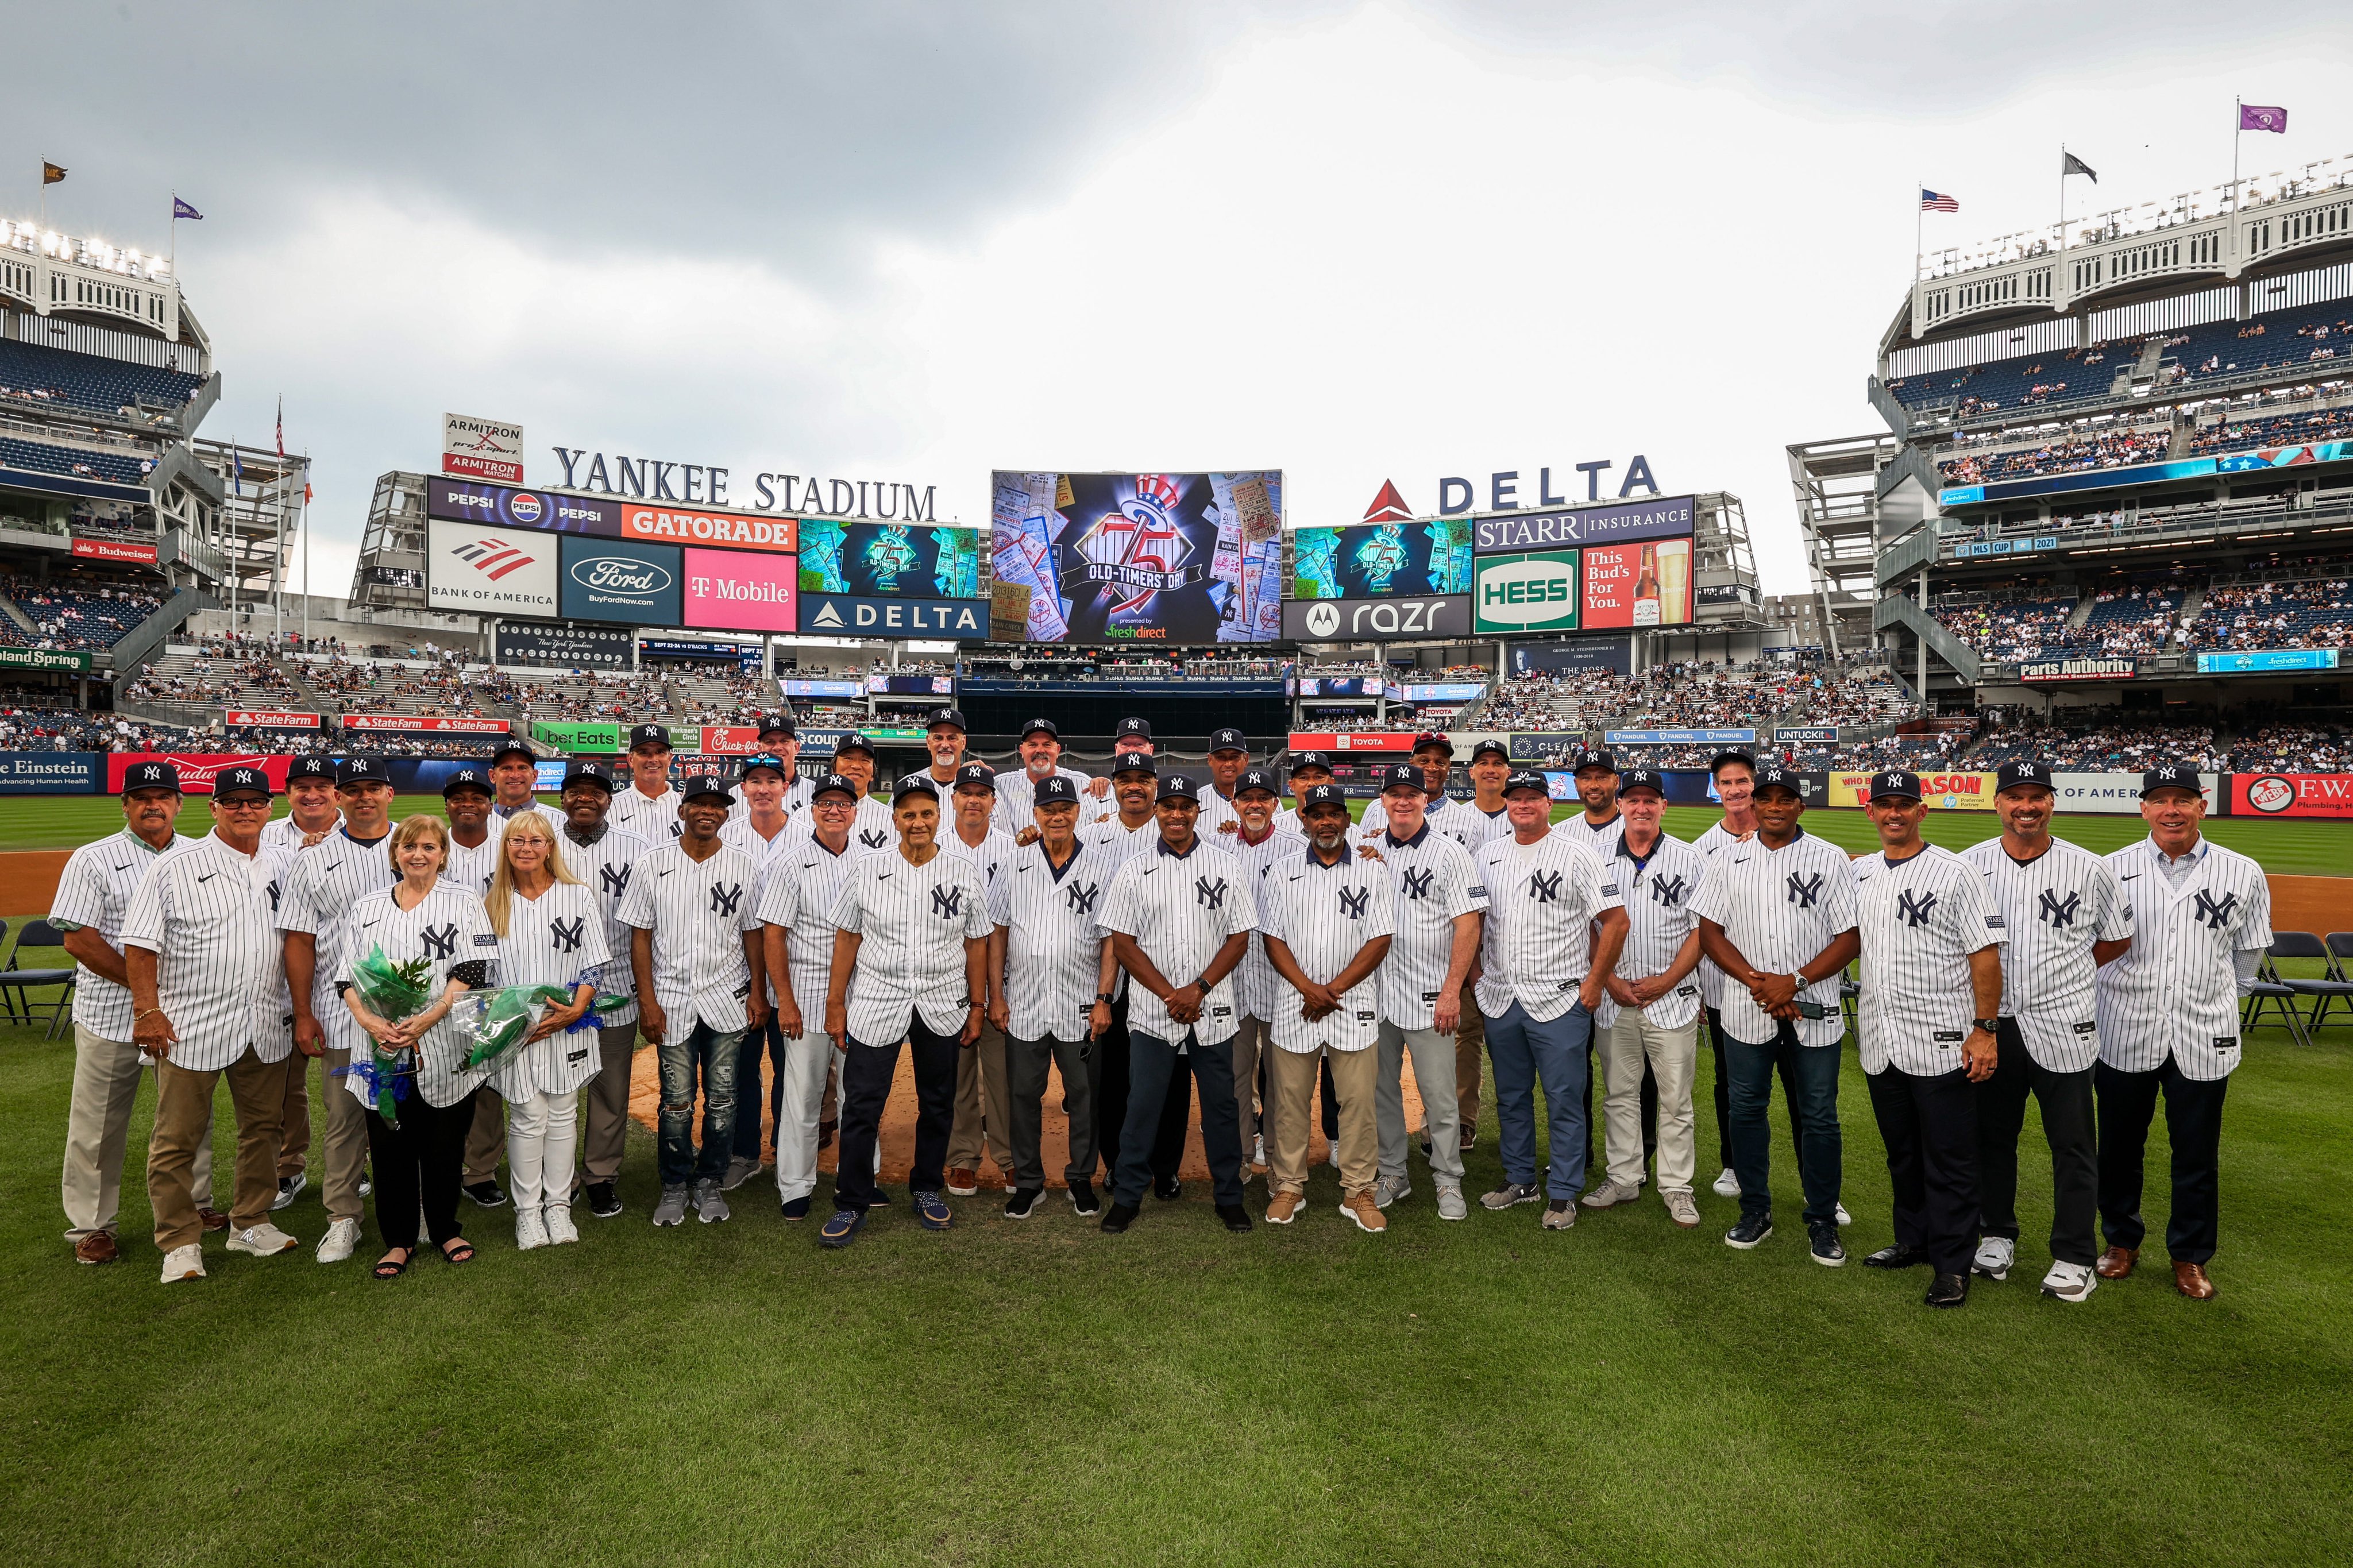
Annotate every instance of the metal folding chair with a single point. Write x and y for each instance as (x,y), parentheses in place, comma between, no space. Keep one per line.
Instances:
(20,1009)
(2270,988)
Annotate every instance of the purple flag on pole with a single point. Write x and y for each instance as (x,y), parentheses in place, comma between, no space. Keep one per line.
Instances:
(181,209)
(2262,117)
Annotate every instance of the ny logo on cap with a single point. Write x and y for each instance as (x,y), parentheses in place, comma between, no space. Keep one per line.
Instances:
(2167,772)
(1915,914)
(1802,894)
(439,943)
(947,902)
(2026,770)
(1668,890)
(1082,899)
(567,933)
(725,900)
(151,771)
(2214,913)
(2057,915)
(1352,905)
(614,879)
(1207,896)
(1544,890)
(1417,883)
(1892,779)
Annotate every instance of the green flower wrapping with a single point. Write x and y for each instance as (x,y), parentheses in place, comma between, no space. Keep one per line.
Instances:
(393,991)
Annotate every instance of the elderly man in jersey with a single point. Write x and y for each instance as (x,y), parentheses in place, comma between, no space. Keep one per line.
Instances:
(1481,820)
(1930,1006)
(982,1116)
(1134,829)
(311,811)
(2169,1022)
(2066,917)
(876,829)
(604,855)
(1437,902)
(1776,915)
(909,967)
(1433,758)
(1649,1021)
(1258,843)
(943,739)
(1179,915)
(797,910)
(1556,923)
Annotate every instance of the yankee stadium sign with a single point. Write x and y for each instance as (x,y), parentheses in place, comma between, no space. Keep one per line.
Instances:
(706,484)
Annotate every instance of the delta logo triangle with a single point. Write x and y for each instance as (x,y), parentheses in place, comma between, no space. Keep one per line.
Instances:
(828,616)
(1388,506)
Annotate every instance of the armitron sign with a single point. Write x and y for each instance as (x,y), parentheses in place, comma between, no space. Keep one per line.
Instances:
(482,448)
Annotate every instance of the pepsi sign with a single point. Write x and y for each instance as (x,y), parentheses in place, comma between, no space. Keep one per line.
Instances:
(470,500)
(613,580)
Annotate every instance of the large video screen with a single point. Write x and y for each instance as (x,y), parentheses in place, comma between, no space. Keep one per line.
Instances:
(1108,558)
(1374,559)
(889,560)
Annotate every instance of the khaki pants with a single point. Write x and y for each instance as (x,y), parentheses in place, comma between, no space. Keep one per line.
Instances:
(1251,1040)
(981,1105)
(294,1121)
(1671,1054)
(609,1104)
(1470,1041)
(98,1128)
(184,1115)
(1433,1076)
(347,1141)
(486,1140)
(1290,1106)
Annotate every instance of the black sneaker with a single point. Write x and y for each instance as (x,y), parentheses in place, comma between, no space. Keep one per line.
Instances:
(798,1208)
(1947,1290)
(1753,1228)
(1896,1257)
(1237,1218)
(1084,1199)
(1122,1216)
(486,1193)
(880,1200)
(603,1201)
(1167,1189)
(290,1188)
(1470,1137)
(1023,1203)
(1828,1251)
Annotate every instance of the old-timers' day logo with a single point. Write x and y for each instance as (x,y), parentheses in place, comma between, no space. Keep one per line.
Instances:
(886,555)
(1139,550)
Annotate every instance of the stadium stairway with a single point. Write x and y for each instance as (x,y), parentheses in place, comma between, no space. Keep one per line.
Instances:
(1896,610)
(150,634)
(2085,603)
(2193,605)
(8,607)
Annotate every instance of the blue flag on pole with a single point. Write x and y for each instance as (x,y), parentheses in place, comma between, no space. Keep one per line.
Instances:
(181,209)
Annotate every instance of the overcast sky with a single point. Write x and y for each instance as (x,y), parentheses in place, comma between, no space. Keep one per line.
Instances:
(914,242)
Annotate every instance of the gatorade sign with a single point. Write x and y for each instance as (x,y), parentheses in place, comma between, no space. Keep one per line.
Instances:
(1535,592)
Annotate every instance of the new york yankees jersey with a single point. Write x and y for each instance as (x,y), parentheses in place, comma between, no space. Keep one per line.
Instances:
(652,817)
(1659,921)
(1257,989)
(698,913)
(1053,943)
(1780,908)
(502,815)
(986,856)
(1439,811)
(556,939)
(1541,901)
(1432,883)
(448,927)
(871,831)
(320,891)
(1602,840)
(606,864)
(1709,845)
(2176,990)
(1016,797)
(1920,918)
(798,896)
(284,833)
(472,868)
(2053,907)
(738,832)
(1181,909)
(204,911)
(913,921)
(93,892)
(1326,915)
(1473,828)
(1216,812)
(797,797)
(1120,842)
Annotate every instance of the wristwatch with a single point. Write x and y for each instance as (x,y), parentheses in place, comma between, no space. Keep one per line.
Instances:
(1104,997)
(1991,1026)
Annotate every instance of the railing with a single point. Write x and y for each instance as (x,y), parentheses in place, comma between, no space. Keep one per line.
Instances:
(2235,519)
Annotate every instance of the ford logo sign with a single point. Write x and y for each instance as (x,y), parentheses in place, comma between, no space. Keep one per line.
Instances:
(620,574)
(523,507)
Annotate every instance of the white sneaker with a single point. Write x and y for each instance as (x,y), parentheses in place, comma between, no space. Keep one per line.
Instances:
(342,1239)
(557,1217)
(530,1231)
(2069,1281)
(1451,1204)
(1610,1193)
(1333,1159)
(263,1240)
(1258,1152)
(1386,1190)
(183,1263)
(1727,1186)
(1844,1217)
(1994,1255)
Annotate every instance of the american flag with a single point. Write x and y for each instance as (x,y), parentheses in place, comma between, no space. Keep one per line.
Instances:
(1937,202)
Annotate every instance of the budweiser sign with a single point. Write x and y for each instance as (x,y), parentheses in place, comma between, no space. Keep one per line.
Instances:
(114,550)
(419,724)
(268,718)
(197,772)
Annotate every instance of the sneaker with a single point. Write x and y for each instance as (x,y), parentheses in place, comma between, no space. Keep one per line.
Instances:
(1681,1209)
(1844,1217)
(1283,1207)
(2069,1281)
(709,1205)
(1752,1229)
(798,1208)
(1332,1156)
(289,1189)
(557,1219)
(842,1228)
(604,1201)
(1610,1194)
(1451,1204)
(1257,1152)
(1167,1189)
(672,1210)
(1512,1193)
(1727,1186)
(1084,1200)
(531,1230)
(1469,1139)
(1560,1214)
(963,1182)
(486,1193)
(367,1185)
(263,1240)
(1023,1203)
(1120,1216)
(1388,1189)
(1236,1217)
(1367,1214)
(932,1210)
(739,1171)
(342,1239)
(183,1263)
(1825,1247)
(1995,1255)
(213,1219)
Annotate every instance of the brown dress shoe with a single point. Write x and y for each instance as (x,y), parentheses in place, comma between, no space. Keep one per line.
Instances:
(2117,1262)
(98,1246)
(2190,1279)
(214,1218)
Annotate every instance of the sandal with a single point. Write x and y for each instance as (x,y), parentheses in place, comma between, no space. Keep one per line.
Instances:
(458,1249)
(391,1267)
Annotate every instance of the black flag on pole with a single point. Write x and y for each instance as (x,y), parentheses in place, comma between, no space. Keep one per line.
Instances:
(2070,164)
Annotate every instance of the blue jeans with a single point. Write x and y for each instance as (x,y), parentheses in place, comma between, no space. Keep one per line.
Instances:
(704,1053)
(769,1036)
(1522,1052)
(1811,1074)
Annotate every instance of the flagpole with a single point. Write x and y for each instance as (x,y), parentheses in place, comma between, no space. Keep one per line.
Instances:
(306,544)
(2238,124)
(1919,206)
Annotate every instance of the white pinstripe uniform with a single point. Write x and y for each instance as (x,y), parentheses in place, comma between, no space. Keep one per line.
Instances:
(607,866)
(1470,827)
(1259,990)
(93,892)
(280,832)
(1216,811)
(1542,898)
(1712,843)
(1439,811)
(914,921)
(502,815)
(1602,840)
(1325,915)
(556,939)
(872,831)
(739,833)
(698,913)
(1118,841)
(204,911)
(448,927)
(1016,797)
(2053,907)
(324,884)
(472,868)
(1920,918)
(2176,992)
(987,857)
(1433,882)
(652,817)
(1054,940)
(1659,921)
(1780,908)
(1180,909)
(798,895)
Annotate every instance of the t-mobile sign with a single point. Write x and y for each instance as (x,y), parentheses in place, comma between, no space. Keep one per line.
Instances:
(736,590)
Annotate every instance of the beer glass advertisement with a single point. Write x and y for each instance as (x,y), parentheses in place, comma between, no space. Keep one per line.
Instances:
(1109,558)
(889,560)
(1645,584)
(1431,555)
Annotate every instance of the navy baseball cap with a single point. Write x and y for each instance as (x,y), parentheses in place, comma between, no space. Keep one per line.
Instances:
(2012,774)
(778,724)
(952,718)
(984,775)
(159,775)
(699,784)
(513,748)
(2169,774)
(1055,788)
(763,763)
(466,778)
(241,781)
(915,783)
(1255,778)
(1136,727)
(1040,727)
(1643,778)
(834,783)
(1229,741)
(1590,758)
(853,743)
(1733,756)
(649,735)
(363,770)
(1321,795)
(1176,786)
(1490,747)
(1891,783)
(590,770)
(1309,760)
(1396,775)
(1527,778)
(312,767)
(1132,763)
(1432,738)
(1773,775)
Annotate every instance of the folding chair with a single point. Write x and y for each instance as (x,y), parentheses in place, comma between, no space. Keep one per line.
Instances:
(2269,988)
(2339,946)
(15,982)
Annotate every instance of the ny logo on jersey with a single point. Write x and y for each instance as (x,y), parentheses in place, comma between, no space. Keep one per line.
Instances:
(614,879)
(1207,896)
(273,897)
(871,837)
(1668,890)
(947,902)
(1082,899)
(725,900)
(567,933)
(2059,916)
(1915,914)
(1544,890)
(2214,914)
(441,943)
(1353,906)
(1417,883)
(1803,894)
(677,828)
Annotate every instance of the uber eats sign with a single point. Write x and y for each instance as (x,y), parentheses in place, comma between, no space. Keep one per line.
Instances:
(1533,592)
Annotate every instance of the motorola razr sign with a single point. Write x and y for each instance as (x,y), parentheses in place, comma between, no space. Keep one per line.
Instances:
(617,580)
(1377,620)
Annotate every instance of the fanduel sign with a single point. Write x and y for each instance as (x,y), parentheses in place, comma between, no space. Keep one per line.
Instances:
(1456,494)
(706,484)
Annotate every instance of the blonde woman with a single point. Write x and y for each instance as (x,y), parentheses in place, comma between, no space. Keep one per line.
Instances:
(419,1161)
(551,932)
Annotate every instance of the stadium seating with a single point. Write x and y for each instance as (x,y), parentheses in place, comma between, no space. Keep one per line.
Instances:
(2025,628)
(74,617)
(2138,619)
(37,373)
(2275,616)
(2277,430)
(115,467)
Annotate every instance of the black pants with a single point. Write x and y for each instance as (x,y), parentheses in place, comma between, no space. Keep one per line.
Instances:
(767,1040)
(421,1163)
(2193,1124)
(1025,1095)
(1930,1128)
(1109,1062)
(2067,1127)
(866,1090)
(1327,1099)
(1151,1068)
(1715,1039)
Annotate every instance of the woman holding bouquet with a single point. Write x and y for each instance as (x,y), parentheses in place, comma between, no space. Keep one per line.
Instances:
(551,932)
(412,949)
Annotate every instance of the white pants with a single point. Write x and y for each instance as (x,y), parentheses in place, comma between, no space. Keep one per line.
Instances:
(543,1137)
(1624,1046)
(1441,1116)
(806,1061)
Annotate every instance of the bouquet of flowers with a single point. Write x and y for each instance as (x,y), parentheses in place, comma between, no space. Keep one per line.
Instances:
(490,1023)
(393,991)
